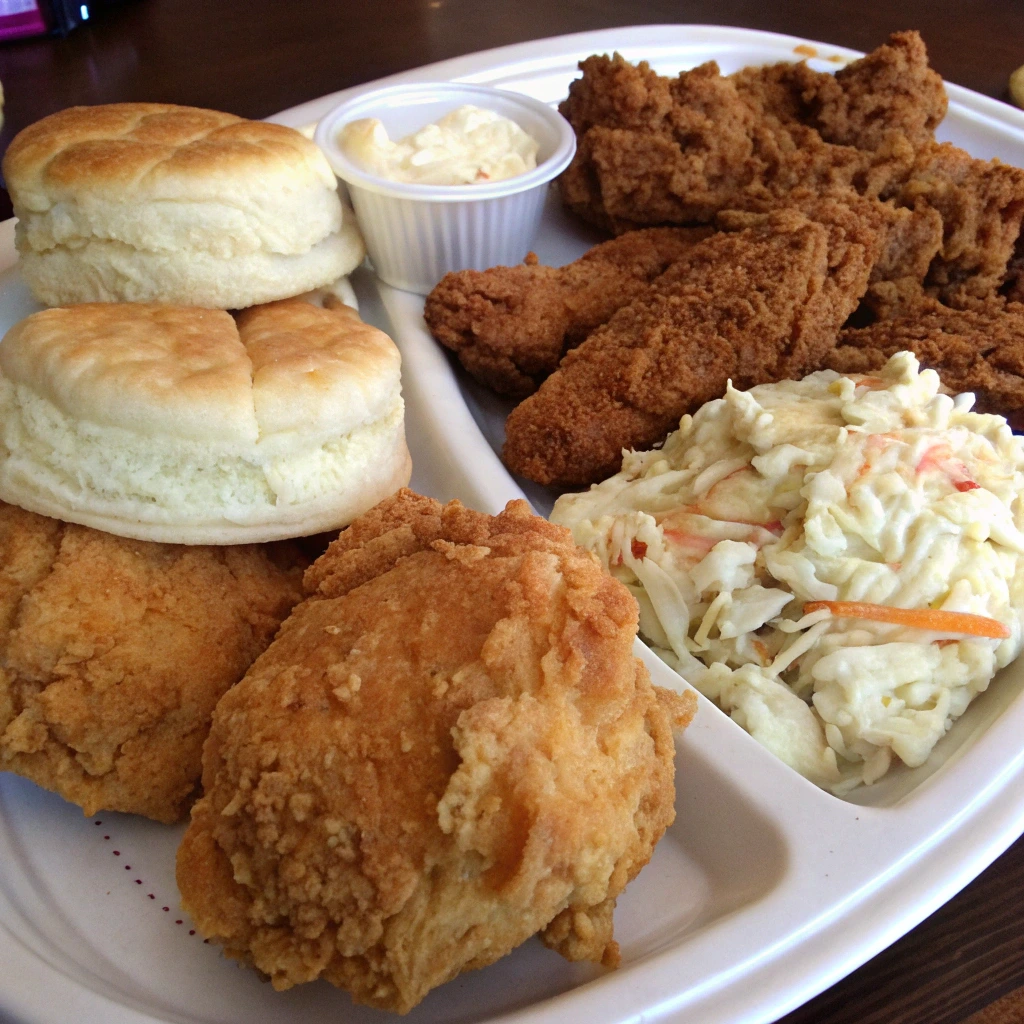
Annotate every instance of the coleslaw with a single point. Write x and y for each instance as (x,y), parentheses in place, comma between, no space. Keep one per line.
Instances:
(836,562)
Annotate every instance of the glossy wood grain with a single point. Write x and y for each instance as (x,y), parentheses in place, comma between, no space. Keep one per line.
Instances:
(255,58)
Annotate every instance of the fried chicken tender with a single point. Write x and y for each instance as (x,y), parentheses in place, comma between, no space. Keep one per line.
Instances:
(754,305)
(910,239)
(656,151)
(510,326)
(979,350)
(449,748)
(113,653)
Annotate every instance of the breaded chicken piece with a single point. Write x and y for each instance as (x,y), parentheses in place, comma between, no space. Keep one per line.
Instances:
(756,305)
(656,151)
(981,205)
(979,350)
(113,653)
(449,748)
(510,326)
(888,97)
(908,239)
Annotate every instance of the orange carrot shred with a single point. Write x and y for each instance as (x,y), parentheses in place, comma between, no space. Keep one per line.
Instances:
(915,618)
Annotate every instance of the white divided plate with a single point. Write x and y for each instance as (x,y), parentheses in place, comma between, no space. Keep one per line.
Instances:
(764,892)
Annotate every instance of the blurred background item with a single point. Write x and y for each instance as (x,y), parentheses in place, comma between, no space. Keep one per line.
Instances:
(20,18)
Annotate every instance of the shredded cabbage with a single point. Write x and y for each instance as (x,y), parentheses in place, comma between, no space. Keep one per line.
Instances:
(835,488)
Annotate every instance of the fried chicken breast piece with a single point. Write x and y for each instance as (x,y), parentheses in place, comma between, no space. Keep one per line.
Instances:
(889,92)
(510,326)
(449,748)
(754,305)
(114,652)
(979,350)
(653,151)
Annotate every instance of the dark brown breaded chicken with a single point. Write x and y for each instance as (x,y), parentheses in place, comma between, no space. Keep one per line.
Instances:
(907,239)
(510,326)
(981,205)
(449,748)
(888,97)
(653,151)
(979,350)
(659,151)
(113,653)
(755,305)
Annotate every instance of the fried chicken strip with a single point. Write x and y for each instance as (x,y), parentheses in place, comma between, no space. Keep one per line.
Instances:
(450,747)
(510,326)
(910,239)
(754,305)
(979,350)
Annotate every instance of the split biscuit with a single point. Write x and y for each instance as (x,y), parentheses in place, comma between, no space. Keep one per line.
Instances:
(150,202)
(187,426)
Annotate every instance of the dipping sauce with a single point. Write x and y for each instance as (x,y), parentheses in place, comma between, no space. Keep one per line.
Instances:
(467,146)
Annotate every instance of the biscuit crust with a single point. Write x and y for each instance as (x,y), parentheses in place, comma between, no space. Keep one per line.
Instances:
(139,202)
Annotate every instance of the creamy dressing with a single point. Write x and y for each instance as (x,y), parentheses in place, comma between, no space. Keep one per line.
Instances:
(879,490)
(467,146)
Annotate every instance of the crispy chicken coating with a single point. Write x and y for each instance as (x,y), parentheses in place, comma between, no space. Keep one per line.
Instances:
(871,104)
(510,326)
(114,652)
(980,204)
(979,350)
(908,239)
(449,748)
(754,305)
(656,151)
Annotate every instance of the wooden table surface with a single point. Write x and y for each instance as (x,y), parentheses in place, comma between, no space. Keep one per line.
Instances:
(258,57)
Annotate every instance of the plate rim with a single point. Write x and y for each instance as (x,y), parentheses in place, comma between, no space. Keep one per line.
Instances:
(861,934)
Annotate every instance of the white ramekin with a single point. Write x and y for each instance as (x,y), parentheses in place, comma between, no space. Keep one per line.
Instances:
(415,233)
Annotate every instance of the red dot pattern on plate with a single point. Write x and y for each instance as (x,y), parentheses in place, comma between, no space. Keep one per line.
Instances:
(138,881)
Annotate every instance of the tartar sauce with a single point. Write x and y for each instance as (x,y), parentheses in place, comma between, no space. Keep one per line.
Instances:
(467,146)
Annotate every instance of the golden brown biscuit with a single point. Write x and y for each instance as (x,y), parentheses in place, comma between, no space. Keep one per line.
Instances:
(178,424)
(142,202)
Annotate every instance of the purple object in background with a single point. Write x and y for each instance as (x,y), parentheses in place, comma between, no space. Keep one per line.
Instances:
(21,18)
